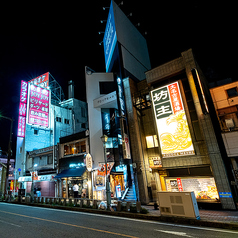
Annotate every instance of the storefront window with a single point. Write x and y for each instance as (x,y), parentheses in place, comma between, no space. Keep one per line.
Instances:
(75,148)
(204,188)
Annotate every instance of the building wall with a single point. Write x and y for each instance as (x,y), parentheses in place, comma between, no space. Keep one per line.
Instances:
(227,109)
(94,114)
(207,150)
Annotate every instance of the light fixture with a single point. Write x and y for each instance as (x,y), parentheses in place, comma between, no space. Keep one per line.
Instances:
(101,32)
(104,138)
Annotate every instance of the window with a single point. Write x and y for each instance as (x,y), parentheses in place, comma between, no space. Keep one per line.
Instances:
(58,119)
(36,132)
(232,92)
(66,121)
(75,148)
(83,125)
(83,112)
(50,159)
(152,141)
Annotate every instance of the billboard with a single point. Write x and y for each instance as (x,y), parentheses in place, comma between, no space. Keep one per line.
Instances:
(110,38)
(174,135)
(22,110)
(38,106)
(42,80)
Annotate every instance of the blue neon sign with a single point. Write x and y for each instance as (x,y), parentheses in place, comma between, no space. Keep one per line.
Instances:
(110,38)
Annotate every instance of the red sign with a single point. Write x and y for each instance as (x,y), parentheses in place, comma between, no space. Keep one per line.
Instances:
(175,97)
(102,168)
(22,110)
(39,100)
(42,80)
(180,186)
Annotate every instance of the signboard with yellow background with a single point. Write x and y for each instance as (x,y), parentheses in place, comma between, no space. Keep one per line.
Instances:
(171,121)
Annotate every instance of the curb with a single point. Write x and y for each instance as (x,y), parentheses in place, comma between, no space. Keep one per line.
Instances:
(165,219)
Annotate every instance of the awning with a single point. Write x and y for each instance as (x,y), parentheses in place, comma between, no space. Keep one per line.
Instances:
(78,172)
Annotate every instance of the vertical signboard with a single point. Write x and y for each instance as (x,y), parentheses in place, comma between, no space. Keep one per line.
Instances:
(42,80)
(110,38)
(171,121)
(38,106)
(22,110)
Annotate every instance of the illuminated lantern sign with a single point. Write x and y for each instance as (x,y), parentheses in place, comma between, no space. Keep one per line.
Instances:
(171,121)
(38,106)
(42,80)
(22,110)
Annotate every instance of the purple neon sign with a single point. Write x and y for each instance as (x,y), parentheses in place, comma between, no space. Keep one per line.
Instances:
(38,112)
(22,110)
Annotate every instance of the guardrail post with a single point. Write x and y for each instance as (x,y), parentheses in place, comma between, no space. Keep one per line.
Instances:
(128,206)
(119,206)
(64,202)
(138,206)
(95,204)
(81,202)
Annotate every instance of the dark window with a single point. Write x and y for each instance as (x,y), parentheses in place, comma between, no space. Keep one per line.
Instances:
(232,92)
(107,87)
(83,125)
(83,112)
(58,119)
(36,132)
(66,121)
(50,159)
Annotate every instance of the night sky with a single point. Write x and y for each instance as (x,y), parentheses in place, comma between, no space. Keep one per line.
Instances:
(62,38)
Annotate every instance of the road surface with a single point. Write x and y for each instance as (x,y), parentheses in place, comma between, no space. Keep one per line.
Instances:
(25,221)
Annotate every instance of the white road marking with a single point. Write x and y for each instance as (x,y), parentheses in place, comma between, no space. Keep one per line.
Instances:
(175,233)
(130,219)
(9,223)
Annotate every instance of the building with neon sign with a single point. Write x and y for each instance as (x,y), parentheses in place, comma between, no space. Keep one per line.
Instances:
(45,117)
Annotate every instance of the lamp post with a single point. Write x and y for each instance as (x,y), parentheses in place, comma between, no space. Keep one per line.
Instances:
(8,153)
(108,193)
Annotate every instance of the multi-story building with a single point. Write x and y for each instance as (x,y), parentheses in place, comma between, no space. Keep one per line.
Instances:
(126,54)
(225,99)
(174,140)
(45,123)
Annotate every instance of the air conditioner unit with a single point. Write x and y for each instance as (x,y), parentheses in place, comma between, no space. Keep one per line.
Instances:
(179,204)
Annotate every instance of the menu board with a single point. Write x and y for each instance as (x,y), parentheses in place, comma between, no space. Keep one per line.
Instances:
(204,188)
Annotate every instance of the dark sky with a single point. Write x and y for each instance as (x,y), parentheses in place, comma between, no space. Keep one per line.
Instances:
(62,37)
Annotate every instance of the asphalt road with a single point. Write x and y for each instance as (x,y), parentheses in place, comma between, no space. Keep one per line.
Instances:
(25,221)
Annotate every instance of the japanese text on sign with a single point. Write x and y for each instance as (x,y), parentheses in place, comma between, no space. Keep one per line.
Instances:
(38,106)
(22,110)
(171,121)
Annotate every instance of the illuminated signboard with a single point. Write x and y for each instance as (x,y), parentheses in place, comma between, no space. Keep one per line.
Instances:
(110,38)
(171,121)
(22,110)
(42,80)
(38,106)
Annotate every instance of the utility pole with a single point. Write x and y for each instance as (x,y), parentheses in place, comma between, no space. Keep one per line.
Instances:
(8,153)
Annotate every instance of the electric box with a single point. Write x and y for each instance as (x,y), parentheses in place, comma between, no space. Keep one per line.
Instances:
(180,204)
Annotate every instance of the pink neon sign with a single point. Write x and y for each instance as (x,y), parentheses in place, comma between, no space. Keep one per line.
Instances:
(22,110)
(38,113)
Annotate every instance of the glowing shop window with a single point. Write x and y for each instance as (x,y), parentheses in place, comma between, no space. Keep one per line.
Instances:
(152,141)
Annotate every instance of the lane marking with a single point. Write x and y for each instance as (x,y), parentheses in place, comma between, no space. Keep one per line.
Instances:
(9,223)
(68,224)
(131,219)
(175,233)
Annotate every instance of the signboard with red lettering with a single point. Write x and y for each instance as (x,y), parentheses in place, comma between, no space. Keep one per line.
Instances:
(42,80)
(22,110)
(38,106)
(171,121)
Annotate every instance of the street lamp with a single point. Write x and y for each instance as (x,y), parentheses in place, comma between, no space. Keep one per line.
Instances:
(104,139)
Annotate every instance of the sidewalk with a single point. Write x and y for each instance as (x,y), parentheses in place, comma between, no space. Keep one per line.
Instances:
(210,216)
